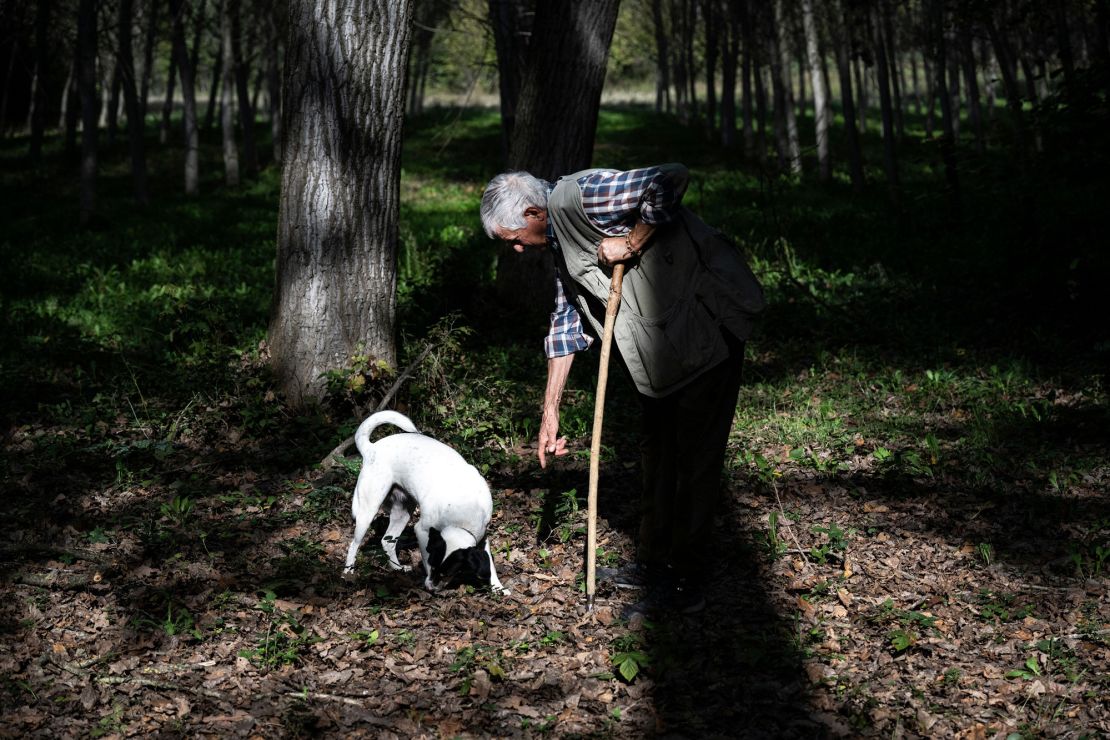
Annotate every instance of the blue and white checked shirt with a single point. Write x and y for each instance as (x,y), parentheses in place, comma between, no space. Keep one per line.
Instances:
(614,201)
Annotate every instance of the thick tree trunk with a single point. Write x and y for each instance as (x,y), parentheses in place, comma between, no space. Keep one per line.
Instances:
(882,69)
(227,106)
(552,138)
(821,111)
(340,194)
(86,44)
(135,128)
(510,39)
(188,95)
(780,71)
(42,66)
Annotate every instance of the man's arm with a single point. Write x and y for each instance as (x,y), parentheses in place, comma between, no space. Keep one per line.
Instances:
(558,368)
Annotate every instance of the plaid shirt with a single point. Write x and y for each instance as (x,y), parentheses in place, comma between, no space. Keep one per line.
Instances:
(614,201)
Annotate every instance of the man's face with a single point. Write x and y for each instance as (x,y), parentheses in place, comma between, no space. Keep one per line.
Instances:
(532,234)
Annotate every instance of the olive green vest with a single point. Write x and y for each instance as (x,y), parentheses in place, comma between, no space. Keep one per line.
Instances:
(688,283)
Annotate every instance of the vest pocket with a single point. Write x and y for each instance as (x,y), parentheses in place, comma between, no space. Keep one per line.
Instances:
(669,348)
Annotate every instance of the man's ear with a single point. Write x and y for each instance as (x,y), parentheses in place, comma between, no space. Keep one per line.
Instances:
(437,548)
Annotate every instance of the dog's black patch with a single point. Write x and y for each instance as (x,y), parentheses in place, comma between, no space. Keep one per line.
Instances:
(437,549)
(469,566)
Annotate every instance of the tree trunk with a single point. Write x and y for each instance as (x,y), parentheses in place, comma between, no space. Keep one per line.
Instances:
(242,88)
(188,95)
(135,128)
(916,88)
(340,194)
(214,91)
(893,66)
(971,80)
(712,20)
(273,84)
(112,109)
(552,138)
(678,61)
(843,47)
(1006,66)
(821,112)
(861,90)
(86,44)
(5,93)
(227,105)
(760,115)
(689,31)
(71,107)
(748,50)
(731,48)
(42,67)
(662,60)
(939,43)
(780,69)
(148,56)
(510,39)
(171,78)
(882,69)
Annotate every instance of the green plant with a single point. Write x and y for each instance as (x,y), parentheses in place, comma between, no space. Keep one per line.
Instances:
(366,637)
(629,656)
(179,511)
(775,545)
(472,657)
(836,541)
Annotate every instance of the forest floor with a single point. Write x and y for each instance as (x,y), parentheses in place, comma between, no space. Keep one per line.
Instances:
(131,610)
(914,539)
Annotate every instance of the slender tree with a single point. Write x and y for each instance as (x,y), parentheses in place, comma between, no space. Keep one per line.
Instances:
(135,124)
(42,66)
(86,44)
(886,108)
(188,94)
(843,49)
(662,60)
(227,104)
(790,144)
(938,40)
(821,112)
(242,75)
(148,55)
(510,35)
(340,193)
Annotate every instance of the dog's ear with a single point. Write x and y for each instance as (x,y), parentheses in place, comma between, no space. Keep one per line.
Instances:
(437,548)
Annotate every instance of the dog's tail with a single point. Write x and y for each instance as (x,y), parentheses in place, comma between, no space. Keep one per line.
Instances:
(362,436)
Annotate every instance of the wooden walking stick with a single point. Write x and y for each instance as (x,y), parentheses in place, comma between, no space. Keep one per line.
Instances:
(595,444)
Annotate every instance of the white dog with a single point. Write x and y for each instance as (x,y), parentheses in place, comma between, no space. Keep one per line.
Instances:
(454,500)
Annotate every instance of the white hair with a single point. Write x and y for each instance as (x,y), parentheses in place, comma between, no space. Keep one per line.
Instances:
(507,197)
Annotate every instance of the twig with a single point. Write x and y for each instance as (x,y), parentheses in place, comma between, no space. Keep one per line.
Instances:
(782,510)
(332,458)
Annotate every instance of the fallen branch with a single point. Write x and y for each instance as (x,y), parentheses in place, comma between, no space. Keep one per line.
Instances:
(332,458)
(786,524)
(164,685)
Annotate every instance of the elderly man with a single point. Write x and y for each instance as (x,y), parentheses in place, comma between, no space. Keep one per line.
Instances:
(687,306)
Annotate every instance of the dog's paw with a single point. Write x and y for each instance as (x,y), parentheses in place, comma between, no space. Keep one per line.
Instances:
(398,566)
(501,590)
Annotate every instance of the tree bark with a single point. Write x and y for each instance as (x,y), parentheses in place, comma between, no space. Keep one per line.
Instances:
(42,66)
(188,95)
(242,88)
(510,39)
(780,71)
(340,195)
(135,127)
(71,107)
(662,60)
(273,83)
(939,43)
(86,44)
(171,79)
(731,48)
(712,20)
(882,69)
(747,48)
(971,80)
(844,72)
(821,112)
(227,105)
(148,56)
(215,101)
(552,138)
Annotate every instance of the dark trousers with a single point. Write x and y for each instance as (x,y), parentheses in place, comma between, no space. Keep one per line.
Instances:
(684,439)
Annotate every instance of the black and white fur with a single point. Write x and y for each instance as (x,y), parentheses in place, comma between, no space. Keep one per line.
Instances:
(454,500)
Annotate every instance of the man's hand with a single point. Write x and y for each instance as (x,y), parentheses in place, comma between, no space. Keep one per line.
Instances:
(550,443)
(614,249)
